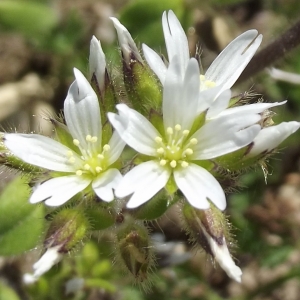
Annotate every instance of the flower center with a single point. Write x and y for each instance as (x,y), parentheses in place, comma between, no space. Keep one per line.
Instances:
(206,84)
(92,162)
(176,149)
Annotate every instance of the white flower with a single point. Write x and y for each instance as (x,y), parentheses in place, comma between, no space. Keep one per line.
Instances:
(126,42)
(225,69)
(270,137)
(177,151)
(85,162)
(44,264)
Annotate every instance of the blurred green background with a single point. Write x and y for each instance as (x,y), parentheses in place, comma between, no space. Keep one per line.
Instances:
(40,43)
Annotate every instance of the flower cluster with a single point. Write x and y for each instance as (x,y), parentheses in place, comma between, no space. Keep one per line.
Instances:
(187,131)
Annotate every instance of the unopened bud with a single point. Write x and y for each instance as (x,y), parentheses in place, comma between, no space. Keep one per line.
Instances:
(135,250)
(209,228)
(68,227)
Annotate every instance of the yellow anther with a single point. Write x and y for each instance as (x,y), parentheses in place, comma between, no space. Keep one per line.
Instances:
(210,84)
(185,132)
(87,167)
(177,127)
(160,150)
(78,172)
(76,142)
(184,164)
(158,139)
(169,130)
(94,139)
(69,153)
(189,151)
(106,147)
(100,156)
(98,169)
(88,138)
(162,162)
(194,141)
(72,159)
(173,163)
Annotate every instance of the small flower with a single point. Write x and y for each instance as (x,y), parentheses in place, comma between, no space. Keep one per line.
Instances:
(225,69)
(81,163)
(179,150)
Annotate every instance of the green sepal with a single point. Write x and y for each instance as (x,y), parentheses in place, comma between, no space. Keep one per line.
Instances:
(171,186)
(68,227)
(143,88)
(135,250)
(198,123)
(101,216)
(21,223)
(156,120)
(63,135)
(154,208)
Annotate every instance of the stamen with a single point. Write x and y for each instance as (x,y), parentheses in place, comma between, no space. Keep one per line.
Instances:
(194,141)
(160,151)
(158,139)
(202,77)
(87,167)
(184,164)
(169,131)
(162,162)
(173,163)
(78,172)
(100,156)
(88,138)
(188,151)
(98,169)
(94,139)
(106,148)
(69,153)
(185,132)
(76,142)
(177,127)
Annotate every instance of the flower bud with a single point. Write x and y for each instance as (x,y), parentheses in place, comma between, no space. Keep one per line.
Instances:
(209,228)
(135,251)
(139,80)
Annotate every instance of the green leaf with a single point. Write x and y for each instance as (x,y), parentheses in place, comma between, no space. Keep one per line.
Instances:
(21,223)
(30,18)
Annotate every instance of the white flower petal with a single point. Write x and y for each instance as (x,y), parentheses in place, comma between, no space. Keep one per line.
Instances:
(198,185)
(82,112)
(97,63)
(116,147)
(104,184)
(155,63)
(58,190)
(270,137)
(144,181)
(135,129)
(47,261)
(40,151)
(230,63)
(219,105)
(224,135)
(126,42)
(223,257)
(207,97)
(255,108)
(176,40)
